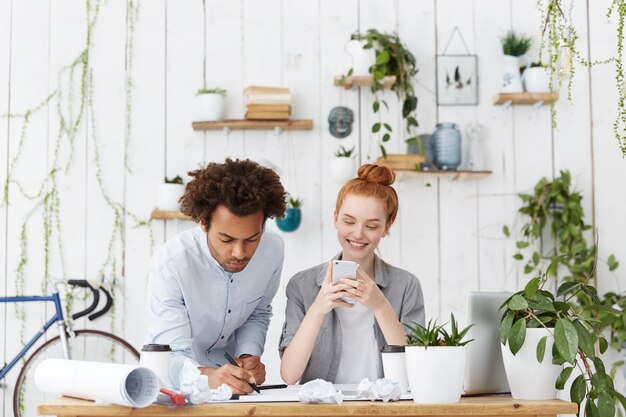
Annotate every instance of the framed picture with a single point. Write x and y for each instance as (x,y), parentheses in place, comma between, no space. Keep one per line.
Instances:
(457,80)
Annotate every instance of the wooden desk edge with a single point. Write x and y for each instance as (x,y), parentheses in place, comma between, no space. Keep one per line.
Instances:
(469,406)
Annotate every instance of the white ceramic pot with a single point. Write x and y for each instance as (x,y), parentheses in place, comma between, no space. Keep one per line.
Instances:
(511,79)
(436,374)
(342,169)
(536,80)
(361,59)
(168,196)
(210,107)
(529,379)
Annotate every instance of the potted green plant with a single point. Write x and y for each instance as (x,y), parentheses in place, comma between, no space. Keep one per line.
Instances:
(513,46)
(210,103)
(565,336)
(169,193)
(293,216)
(342,166)
(392,58)
(435,361)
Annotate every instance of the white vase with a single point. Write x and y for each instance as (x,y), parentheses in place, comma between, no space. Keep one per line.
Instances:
(529,379)
(168,196)
(361,59)
(536,80)
(342,169)
(436,373)
(511,79)
(210,107)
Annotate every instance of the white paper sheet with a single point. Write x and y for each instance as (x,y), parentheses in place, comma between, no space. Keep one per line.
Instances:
(127,385)
(290,394)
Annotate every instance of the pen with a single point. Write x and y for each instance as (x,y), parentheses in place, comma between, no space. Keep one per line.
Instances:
(232,362)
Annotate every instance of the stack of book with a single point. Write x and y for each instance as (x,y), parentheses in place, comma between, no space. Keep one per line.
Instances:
(267,103)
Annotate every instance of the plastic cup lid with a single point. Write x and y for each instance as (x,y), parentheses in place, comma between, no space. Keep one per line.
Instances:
(156,348)
(392,349)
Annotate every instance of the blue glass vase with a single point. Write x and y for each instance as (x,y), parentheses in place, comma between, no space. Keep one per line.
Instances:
(291,221)
(446,142)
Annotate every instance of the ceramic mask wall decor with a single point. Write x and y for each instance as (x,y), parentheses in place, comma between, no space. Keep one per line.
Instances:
(340,122)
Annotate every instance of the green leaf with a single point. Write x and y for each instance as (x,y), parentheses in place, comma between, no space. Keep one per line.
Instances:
(536,258)
(606,404)
(532,287)
(382,58)
(604,345)
(591,410)
(566,339)
(386,137)
(521,244)
(375,127)
(506,231)
(612,262)
(379,75)
(517,335)
(620,397)
(578,390)
(383,151)
(375,106)
(563,377)
(387,127)
(566,287)
(541,349)
(505,327)
(518,256)
(518,303)
(585,339)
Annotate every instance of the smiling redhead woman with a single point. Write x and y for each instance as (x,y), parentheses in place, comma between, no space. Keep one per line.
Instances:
(336,331)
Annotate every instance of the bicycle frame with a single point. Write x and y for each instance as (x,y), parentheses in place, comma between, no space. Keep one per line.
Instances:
(57,318)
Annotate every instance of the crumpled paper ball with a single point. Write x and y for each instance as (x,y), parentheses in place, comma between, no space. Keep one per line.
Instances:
(319,391)
(383,389)
(196,387)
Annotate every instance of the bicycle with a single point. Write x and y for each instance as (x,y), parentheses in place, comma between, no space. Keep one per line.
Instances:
(83,344)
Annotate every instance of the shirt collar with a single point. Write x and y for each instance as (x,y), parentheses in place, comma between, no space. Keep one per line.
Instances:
(382,280)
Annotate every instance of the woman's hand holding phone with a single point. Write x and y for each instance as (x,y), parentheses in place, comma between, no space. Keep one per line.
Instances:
(364,290)
(330,294)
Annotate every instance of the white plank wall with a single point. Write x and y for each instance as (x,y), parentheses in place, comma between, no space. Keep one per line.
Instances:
(449,233)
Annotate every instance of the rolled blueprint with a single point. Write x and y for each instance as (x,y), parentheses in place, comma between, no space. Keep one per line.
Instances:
(127,385)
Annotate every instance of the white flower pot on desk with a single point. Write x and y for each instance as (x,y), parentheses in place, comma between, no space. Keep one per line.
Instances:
(436,373)
(529,379)
(210,107)
(168,196)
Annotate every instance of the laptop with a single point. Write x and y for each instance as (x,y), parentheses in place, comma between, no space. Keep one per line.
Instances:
(484,369)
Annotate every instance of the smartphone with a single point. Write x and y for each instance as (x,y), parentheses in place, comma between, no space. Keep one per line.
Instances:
(343,269)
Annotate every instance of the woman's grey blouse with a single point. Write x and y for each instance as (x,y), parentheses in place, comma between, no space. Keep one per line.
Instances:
(400,287)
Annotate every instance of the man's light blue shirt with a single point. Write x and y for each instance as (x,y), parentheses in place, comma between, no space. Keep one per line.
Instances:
(201,311)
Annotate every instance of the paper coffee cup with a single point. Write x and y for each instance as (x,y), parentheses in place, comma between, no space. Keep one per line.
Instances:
(394,365)
(156,358)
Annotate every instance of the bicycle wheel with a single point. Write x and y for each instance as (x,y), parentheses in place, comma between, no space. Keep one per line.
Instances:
(86,345)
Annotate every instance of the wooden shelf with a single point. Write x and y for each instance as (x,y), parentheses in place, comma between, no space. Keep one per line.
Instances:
(452,175)
(525,98)
(304,124)
(169,215)
(362,81)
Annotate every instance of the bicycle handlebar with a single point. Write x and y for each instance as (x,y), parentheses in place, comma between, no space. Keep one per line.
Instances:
(96,299)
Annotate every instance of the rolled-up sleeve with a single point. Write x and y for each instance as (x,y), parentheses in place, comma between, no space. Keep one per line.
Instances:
(413,303)
(294,314)
(169,322)
(251,335)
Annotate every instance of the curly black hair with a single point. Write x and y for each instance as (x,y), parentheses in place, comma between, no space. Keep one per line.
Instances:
(243,187)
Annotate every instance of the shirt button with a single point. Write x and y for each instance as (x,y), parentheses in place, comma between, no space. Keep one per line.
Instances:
(222,337)
(229,311)
(231,280)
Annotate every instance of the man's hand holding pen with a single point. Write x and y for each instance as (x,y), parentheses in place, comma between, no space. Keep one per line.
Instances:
(239,379)
(253,365)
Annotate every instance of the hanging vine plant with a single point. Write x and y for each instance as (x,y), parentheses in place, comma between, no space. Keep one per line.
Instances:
(559,39)
(393,58)
(77,76)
